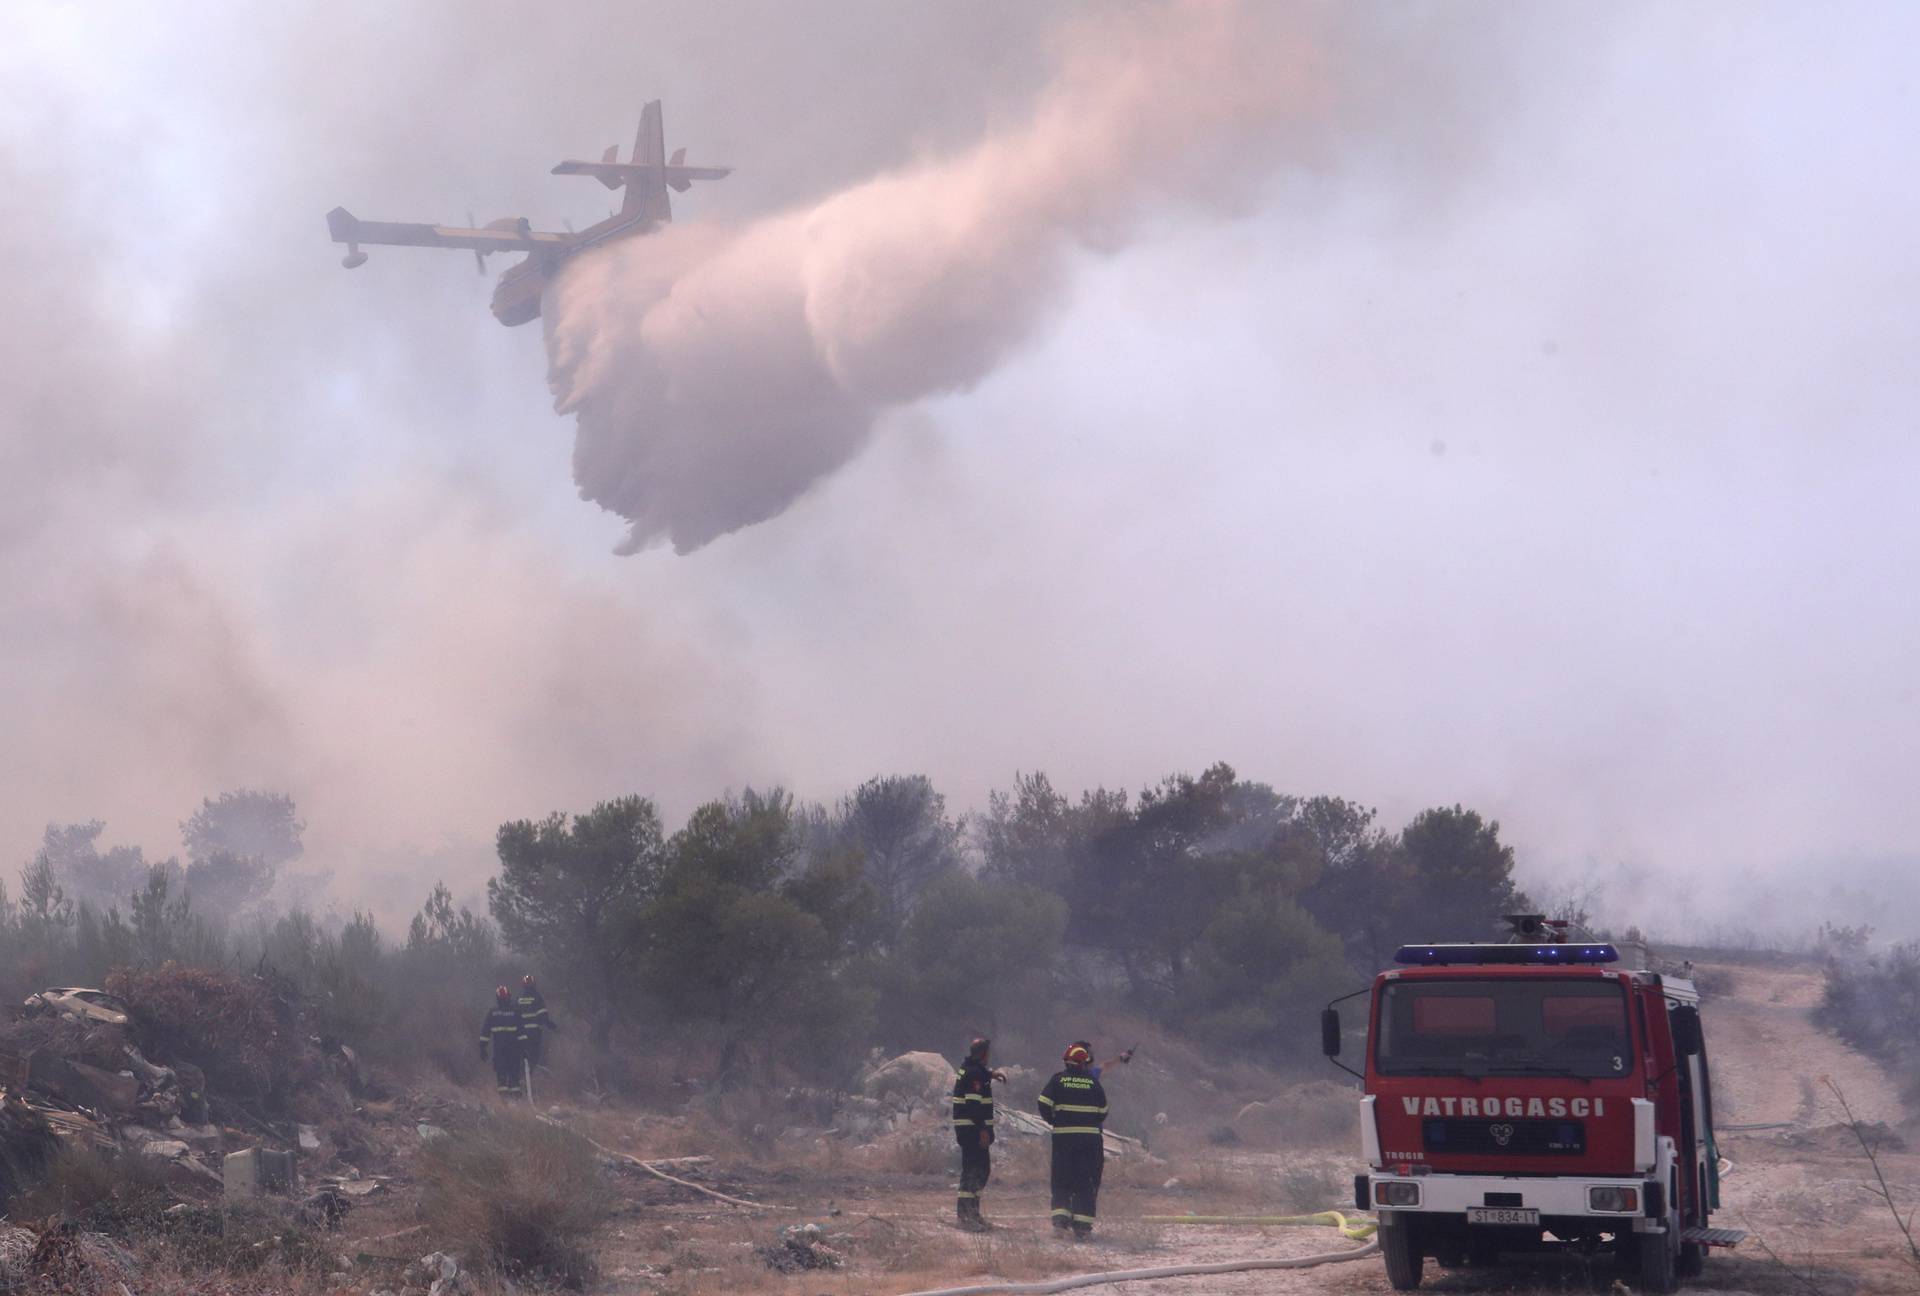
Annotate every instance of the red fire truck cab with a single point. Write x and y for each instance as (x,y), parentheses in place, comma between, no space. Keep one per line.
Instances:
(1534,1095)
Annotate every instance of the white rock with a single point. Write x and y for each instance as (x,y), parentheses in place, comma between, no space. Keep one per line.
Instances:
(910,1080)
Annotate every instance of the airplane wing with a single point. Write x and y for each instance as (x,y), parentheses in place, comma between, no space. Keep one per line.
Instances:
(345,227)
(615,174)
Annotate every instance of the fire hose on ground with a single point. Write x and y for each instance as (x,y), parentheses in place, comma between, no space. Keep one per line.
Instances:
(1332,1219)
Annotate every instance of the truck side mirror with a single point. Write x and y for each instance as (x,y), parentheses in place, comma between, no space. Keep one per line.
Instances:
(1687,1039)
(1330,1031)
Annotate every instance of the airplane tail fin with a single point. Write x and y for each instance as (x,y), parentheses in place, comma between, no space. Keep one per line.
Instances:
(649,149)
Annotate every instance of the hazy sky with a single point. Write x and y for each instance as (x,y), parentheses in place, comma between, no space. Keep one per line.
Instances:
(1531,425)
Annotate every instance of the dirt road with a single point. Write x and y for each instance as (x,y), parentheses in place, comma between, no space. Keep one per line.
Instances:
(1770,1060)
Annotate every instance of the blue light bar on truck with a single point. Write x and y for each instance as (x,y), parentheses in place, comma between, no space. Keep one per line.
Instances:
(1539,955)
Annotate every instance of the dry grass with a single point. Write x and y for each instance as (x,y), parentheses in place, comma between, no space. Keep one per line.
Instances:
(516,1195)
(114,1195)
(915,1152)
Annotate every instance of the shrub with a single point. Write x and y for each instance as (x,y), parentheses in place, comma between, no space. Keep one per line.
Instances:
(1874,1005)
(243,1031)
(515,1194)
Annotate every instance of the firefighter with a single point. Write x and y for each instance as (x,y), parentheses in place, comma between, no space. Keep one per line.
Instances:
(500,1034)
(973,1129)
(1075,1105)
(534,1020)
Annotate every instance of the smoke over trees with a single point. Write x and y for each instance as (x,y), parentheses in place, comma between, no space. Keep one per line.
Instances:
(717,373)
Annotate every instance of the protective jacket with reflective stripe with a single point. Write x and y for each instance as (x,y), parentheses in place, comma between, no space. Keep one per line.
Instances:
(501,1024)
(533,1010)
(1074,1103)
(972,1100)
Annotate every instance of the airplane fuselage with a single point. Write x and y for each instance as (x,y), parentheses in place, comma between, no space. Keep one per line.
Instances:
(517,297)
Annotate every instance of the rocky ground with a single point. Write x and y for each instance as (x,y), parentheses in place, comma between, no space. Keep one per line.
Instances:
(855,1197)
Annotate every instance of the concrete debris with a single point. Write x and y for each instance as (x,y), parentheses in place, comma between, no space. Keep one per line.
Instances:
(428,1133)
(800,1247)
(255,1171)
(326,1208)
(438,1273)
(309,1138)
(81,1079)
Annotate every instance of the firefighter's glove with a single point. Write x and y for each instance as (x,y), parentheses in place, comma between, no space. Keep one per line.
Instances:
(483,1050)
(986,1138)
(1124,1057)
(552,1024)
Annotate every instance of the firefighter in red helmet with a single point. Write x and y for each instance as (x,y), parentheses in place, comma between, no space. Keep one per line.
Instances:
(500,1035)
(535,1021)
(1075,1105)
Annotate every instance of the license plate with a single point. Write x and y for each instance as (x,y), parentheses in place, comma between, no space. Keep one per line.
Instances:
(1502,1215)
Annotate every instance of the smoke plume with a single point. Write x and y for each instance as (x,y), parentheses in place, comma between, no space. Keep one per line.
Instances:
(718,372)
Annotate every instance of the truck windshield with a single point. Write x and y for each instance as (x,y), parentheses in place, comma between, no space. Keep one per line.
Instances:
(1503,1026)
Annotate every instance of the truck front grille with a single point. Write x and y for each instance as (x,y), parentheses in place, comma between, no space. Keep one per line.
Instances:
(1461,1137)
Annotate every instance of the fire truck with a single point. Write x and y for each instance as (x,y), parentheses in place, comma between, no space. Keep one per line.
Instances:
(1534,1095)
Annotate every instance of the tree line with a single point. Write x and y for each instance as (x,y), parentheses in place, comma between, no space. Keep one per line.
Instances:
(774,936)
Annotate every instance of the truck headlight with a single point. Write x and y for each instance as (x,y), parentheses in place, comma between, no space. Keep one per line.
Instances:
(1614,1201)
(1389,1193)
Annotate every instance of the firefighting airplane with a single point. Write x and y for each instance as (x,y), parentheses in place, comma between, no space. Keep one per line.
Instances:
(516,299)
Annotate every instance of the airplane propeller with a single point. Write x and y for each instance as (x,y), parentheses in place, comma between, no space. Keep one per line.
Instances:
(479,257)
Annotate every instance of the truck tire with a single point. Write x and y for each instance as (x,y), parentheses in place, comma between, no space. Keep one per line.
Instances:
(1400,1248)
(1657,1271)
